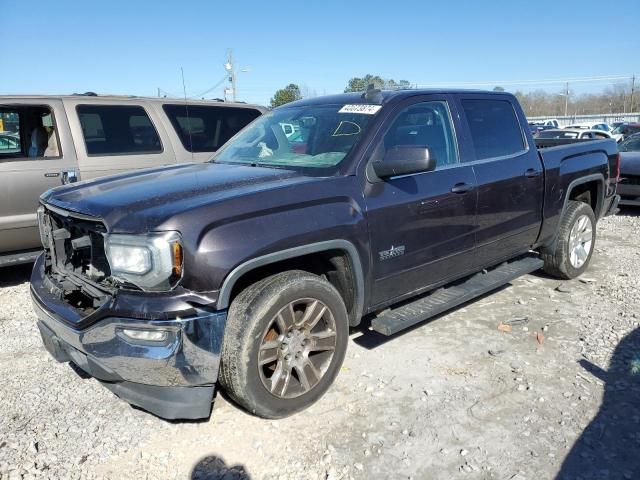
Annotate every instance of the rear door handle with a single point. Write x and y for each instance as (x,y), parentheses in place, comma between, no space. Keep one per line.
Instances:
(532,173)
(461,188)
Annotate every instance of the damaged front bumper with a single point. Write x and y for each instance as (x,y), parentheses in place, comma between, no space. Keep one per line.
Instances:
(173,377)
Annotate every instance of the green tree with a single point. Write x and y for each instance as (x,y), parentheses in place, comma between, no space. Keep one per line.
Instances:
(290,93)
(498,89)
(357,84)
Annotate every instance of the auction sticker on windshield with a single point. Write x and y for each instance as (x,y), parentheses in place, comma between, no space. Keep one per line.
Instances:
(360,108)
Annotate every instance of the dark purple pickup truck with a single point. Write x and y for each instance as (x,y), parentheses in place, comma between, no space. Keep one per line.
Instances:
(248,271)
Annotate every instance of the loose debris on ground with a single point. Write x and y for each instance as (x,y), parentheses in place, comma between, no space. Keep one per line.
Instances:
(454,398)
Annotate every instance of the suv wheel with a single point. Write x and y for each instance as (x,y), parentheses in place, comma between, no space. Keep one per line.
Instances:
(575,243)
(285,340)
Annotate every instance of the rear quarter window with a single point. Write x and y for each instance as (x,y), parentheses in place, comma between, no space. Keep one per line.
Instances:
(203,128)
(118,130)
(494,126)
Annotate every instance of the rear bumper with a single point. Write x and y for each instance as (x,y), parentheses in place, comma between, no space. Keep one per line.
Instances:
(172,378)
(630,194)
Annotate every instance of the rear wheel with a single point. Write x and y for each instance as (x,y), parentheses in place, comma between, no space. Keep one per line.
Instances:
(575,243)
(285,340)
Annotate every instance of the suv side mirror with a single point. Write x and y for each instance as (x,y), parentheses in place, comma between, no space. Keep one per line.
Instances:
(404,160)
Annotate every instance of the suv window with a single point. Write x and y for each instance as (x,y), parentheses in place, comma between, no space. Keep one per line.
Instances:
(203,128)
(494,127)
(28,131)
(118,130)
(9,133)
(425,124)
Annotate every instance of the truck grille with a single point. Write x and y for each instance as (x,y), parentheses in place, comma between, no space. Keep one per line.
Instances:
(76,264)
(76,245)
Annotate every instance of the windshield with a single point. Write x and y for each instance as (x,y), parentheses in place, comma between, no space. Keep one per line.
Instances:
(315,138)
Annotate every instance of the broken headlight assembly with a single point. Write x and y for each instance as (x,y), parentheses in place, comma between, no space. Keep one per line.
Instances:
(151,262)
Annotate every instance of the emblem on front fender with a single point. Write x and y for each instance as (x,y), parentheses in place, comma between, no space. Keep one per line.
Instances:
(393,252)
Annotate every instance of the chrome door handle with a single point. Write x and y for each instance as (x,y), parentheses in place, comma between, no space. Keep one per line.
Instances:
(69,176)
(461,188)
(532,173)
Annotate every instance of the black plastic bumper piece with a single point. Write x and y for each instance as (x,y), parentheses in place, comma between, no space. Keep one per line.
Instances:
(171,403)
(613,206)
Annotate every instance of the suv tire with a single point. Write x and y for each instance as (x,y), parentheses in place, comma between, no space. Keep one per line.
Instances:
(285,341)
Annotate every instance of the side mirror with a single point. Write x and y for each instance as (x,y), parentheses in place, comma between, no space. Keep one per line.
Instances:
(404,160)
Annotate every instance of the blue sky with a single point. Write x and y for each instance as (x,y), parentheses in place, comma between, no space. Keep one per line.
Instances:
(134,47)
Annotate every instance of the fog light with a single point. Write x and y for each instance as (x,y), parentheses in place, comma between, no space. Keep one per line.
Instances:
(145,335)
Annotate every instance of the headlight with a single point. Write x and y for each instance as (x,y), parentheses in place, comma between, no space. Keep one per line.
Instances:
(42,226)
(151,262)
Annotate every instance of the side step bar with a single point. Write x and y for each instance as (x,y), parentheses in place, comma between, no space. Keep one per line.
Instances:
(396,319)
(18,258)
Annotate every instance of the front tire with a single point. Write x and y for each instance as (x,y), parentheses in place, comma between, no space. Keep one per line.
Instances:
(575,243)
(285,341)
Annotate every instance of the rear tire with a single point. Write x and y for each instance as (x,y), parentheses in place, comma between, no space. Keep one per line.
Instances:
(285,341)
(575,242)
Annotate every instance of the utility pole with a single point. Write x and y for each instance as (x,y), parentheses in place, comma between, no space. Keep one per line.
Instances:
(158,92)
(633,89)
(230,68)
(566,99)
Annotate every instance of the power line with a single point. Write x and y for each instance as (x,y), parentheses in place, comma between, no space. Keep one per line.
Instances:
(223,79)
(549,81)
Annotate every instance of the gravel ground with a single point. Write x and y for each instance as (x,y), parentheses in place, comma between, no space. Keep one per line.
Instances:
(558,396)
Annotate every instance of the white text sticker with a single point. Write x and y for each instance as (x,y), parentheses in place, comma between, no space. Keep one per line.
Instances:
(361,108)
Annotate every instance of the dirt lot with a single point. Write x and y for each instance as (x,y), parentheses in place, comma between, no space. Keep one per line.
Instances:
(558,396)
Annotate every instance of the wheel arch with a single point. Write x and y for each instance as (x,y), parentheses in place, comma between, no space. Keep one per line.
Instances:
(575,189)
(246,268)
(578,187)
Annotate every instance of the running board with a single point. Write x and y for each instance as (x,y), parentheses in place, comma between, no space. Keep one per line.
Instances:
(396,319)
(19,258)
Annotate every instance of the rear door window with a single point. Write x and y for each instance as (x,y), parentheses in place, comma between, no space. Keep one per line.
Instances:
(203,128)
(495,129)
(118,130)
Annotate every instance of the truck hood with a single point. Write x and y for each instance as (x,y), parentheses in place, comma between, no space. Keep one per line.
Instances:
(148,197)
(629,163)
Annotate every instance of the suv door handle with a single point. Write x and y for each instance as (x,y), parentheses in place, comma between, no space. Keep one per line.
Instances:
(532,173)
(461,188)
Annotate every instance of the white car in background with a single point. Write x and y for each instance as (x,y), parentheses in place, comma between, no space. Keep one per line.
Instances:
(548,122)
(574,133)
(602,126)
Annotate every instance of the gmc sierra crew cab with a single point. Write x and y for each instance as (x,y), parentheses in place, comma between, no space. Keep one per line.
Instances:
(248,271)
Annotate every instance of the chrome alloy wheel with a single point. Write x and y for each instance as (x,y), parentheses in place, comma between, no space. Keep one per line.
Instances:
(297,348)
(580,241)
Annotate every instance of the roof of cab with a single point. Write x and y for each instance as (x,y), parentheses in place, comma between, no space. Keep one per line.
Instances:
(386,96)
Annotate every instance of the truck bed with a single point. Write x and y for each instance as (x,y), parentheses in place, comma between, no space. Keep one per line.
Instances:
(570,161)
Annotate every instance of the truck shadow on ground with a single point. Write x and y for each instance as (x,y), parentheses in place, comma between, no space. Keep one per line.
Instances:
(15,275)
(610,446)
(626,211)
(214,468)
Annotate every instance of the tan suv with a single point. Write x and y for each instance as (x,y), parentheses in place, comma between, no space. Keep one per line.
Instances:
(46,141)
